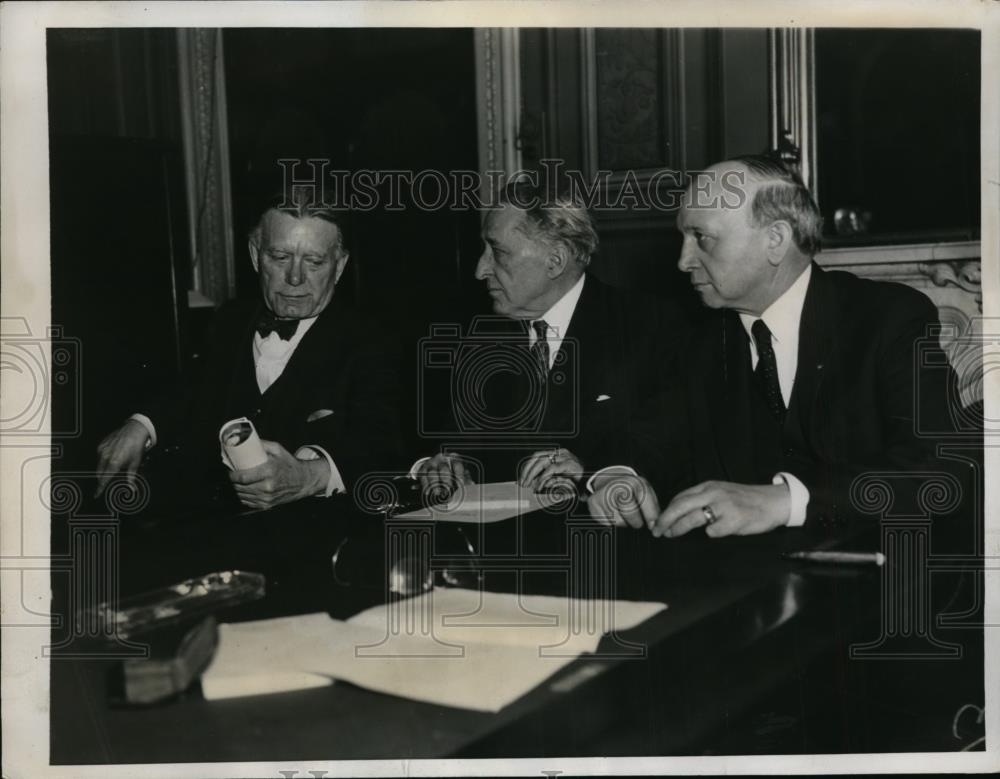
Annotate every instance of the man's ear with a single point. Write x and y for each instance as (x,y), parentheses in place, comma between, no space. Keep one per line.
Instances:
(341,264)
(557,262)
(780,238)
(254,250)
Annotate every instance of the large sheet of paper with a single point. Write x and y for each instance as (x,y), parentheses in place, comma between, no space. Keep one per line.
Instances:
(256,658)
(453,647)
(481,504)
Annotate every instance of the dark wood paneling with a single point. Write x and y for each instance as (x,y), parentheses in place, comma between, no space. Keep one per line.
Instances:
(663,99)
(743,72)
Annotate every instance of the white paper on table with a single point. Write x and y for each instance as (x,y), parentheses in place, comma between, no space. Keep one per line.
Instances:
(256,658)
(549,624)
(481,504)
(450,647)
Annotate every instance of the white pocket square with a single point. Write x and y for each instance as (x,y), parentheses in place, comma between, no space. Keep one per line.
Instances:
(319,414)
(601,398)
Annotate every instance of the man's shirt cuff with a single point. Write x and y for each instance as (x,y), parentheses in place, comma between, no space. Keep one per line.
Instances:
(415,468)
(798,495)
(619,468)
(147,423)
(336,482)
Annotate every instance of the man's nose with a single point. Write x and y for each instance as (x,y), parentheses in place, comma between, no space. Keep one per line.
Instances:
(294,276)
(688,260)
(484,267)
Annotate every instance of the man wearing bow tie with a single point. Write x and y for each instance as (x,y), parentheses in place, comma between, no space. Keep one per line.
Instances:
(307,371)
(571,358)
(803,379)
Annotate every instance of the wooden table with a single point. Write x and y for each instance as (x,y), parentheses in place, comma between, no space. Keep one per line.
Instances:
(750,656)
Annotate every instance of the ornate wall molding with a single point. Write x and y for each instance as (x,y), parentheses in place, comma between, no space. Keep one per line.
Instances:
(498,98)
(206,161)
(900,254)
(792,100)
(633,101)
(958,292)
(967,275)
(951,276)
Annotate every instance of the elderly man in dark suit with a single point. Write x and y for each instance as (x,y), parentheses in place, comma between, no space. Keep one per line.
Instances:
(305,368)
(801,381)
(597,353)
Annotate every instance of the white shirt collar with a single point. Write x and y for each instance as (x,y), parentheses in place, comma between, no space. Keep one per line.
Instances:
(289,345)
(271,354)
(558,317)
(783,315)
(782,318)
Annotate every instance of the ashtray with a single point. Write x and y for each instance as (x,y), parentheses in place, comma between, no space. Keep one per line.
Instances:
(179,601)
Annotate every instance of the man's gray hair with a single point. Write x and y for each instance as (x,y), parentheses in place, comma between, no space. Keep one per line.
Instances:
(554,216)
(781,195)
(301,203)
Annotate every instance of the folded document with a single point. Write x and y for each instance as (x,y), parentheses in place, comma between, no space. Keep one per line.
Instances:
(453,647)
(481,504)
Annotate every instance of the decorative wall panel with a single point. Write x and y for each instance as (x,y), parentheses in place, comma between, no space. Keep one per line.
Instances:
(951,276)
(630,107)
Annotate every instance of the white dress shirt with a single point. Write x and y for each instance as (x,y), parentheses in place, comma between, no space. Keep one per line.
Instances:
(557,319)
(782,318)
(270,356)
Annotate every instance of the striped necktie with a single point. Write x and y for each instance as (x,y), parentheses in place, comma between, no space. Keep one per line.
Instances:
(766,371)
(540,348)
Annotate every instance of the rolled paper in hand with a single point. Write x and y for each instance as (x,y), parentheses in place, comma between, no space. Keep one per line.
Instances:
(241,446)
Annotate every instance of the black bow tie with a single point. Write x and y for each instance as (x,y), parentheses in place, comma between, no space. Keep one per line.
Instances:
(268,323)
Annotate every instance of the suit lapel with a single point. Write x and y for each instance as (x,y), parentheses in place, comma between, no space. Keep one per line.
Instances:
(244,394)
(815,349)
(321,345)
(580,346)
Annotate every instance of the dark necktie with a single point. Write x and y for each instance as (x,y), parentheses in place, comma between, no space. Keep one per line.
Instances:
(268,323)
(540,348)
(766,371)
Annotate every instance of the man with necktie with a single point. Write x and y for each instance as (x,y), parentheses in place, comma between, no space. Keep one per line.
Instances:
(306,369)
(568,360)
(802,380)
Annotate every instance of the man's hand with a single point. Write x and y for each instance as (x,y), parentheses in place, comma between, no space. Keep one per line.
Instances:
(551,470)
(623,499)
(441,475)
(738,509)
(120,451)
(282,479)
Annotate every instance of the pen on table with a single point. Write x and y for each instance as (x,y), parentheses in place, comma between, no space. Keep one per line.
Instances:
(838,558)
(558,492)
